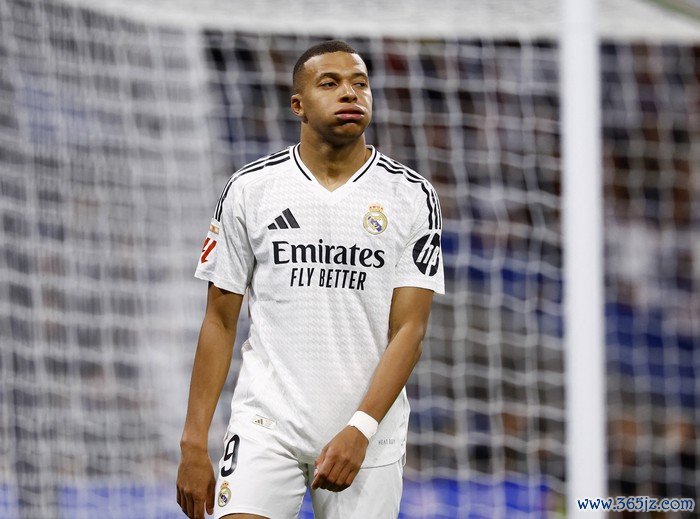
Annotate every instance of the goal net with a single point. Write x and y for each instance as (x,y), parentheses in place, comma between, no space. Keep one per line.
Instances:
(119,123)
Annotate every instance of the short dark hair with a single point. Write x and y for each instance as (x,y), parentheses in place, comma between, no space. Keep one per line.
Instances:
(325,47)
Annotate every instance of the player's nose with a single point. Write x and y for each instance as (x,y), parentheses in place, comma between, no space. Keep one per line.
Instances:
(348,93)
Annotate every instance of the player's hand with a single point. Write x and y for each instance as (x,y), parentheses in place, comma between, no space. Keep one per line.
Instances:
(340,460)
(195,483)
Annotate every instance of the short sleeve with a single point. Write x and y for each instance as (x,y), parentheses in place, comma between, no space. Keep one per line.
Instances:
(420,263)
(227,258)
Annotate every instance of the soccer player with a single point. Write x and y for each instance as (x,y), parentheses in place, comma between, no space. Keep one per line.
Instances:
(338,247)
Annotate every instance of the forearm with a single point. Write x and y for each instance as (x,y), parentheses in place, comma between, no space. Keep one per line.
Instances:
(211,365)
(341,459)
(393,370)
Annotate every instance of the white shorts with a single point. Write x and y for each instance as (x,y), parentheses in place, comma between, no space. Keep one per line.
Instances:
(259,477)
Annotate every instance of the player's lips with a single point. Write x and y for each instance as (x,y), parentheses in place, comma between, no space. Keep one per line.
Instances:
(350,114)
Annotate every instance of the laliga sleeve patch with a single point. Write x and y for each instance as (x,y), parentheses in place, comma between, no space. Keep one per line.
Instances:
(426,254)
(207,248)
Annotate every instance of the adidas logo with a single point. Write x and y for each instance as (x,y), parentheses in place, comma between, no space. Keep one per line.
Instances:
(263,422)
(284,221)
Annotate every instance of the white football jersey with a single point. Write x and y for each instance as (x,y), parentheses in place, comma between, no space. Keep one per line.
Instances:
(320,268)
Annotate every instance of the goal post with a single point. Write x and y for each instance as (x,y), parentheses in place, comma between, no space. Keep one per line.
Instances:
(582,243)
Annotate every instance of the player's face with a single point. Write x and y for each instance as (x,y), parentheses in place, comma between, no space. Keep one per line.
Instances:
(335,99)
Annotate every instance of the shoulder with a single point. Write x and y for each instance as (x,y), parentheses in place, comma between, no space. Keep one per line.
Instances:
(253,172)
(402,173)
(423,192)
(259,169)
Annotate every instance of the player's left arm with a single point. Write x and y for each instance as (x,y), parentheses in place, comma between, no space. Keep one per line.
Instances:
(340,460)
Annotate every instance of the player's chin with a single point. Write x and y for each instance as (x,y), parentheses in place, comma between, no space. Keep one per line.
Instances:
(350,128)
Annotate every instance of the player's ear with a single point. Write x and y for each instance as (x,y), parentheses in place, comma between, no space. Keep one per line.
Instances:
(298,107)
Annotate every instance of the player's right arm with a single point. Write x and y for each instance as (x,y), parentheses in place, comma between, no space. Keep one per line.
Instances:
(195,477)
(227,263)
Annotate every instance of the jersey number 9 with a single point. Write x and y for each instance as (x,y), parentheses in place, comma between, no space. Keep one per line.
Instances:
(230,456)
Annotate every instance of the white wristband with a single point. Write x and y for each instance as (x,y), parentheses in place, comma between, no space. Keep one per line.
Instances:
(364,423)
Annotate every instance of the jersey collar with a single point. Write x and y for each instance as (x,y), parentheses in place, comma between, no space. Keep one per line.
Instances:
(359,174)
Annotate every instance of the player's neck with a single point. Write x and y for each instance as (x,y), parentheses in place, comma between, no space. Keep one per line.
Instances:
(333,165)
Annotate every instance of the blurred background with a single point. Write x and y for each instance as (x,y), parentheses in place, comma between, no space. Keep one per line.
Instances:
(120,121)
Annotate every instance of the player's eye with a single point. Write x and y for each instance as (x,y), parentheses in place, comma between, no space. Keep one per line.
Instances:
(361,84)
(328,84)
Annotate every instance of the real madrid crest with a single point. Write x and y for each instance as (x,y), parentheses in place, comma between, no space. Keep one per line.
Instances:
(224,494)
(375,221)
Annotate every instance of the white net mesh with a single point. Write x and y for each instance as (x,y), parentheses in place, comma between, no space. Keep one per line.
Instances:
(652,163)
(105,172)
(118,129)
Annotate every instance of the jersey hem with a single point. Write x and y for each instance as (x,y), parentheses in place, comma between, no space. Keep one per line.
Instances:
(221,283)
(381,462)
